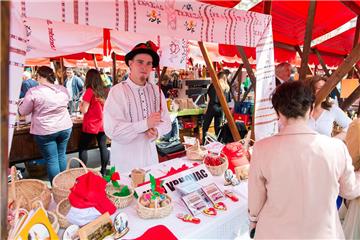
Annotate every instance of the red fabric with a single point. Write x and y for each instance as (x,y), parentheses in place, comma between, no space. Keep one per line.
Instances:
(289,19)
(93,118)
(157,232)
(281,55)
(107,42)
(236,155)
(89,191)
(341,44)
(223,3)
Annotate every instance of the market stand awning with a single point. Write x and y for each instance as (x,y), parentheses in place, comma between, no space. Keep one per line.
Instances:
(289,19)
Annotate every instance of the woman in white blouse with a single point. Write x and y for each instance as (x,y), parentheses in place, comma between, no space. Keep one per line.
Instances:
(325,114)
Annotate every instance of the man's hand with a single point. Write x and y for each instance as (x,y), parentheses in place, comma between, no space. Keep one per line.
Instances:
(154,120)
(151,133)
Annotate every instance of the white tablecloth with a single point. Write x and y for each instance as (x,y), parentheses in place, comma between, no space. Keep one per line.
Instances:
(229,224)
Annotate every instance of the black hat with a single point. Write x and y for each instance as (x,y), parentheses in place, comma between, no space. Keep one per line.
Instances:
(149,48)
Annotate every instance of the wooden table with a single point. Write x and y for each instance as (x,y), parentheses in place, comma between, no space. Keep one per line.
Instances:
(24,148)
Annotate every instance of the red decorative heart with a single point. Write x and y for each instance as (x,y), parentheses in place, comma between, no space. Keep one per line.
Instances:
(220,206)
(210,211)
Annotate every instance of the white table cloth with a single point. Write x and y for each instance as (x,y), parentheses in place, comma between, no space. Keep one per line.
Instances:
(229,224)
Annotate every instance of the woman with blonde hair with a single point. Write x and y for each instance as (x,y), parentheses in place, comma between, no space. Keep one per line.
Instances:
(214,109)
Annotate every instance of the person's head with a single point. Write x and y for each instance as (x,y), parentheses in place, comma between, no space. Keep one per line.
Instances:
(293,100)
(222,76)
(69,72)
(93,80)
(283,71)
(141,60)
(316,83)
(45,75)
(26,75)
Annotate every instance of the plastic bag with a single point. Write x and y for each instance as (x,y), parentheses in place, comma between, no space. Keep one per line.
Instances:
(351,224)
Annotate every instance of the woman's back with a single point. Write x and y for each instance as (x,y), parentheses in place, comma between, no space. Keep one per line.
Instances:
(48,105)
(302,178)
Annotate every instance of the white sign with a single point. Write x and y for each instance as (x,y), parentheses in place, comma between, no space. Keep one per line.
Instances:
(198,174)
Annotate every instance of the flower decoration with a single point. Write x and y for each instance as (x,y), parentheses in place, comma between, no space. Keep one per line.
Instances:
(156,187)
(190,25)
(114,177)
(154,16)
(152,45)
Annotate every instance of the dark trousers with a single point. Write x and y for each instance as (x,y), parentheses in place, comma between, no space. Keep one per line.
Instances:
(208,117)
(53,149)
(85,140)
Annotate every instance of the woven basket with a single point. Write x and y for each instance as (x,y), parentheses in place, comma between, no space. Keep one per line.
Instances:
(196,152)
(54,221)
(119,202)
(28,191)
(218,170)
(62,210)
(150,213)
(66,180)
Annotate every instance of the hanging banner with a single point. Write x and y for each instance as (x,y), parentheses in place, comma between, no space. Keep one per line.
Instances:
(17,52)
(48,38)
(173,52)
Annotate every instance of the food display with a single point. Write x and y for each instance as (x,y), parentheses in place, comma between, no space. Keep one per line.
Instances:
(216,164)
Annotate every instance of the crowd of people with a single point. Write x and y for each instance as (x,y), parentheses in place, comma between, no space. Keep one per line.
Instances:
(296,176)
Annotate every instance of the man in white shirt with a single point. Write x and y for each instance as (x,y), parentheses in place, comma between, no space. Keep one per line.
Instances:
(133,119)
(75,86)
(282,73)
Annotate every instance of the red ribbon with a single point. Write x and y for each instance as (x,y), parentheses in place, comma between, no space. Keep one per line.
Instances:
(107,43)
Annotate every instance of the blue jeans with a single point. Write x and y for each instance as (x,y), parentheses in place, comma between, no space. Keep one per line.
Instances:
(53,150)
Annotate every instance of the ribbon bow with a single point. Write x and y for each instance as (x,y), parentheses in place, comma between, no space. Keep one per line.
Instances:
(113,177)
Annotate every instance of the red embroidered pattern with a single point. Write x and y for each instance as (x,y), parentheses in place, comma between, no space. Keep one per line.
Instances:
(76,12)
(63,11)
(87,12)
(23,9)
(134,5)
(17,38)
(117,14)
(17,51)
(126,15)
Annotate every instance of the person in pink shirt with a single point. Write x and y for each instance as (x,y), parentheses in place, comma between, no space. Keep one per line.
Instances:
(92,106)
(296,175)
(51,124)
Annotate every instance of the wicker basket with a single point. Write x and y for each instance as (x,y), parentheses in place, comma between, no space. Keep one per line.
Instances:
(62,210)
(150,213)
(119,202)
(218,170)
(196,152)
(54,221)
(28,191)
(66,180)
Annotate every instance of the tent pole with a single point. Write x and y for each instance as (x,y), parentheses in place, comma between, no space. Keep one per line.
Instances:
(114,68)
(308,70)
(239,78)
(351,99)
(327,73)
(4,122)
(307,39)
(95,62)
(62,70)
(340,72)
(219,93)
(253,83)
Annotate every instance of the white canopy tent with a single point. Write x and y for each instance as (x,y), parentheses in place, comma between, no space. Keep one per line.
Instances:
(169,24)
